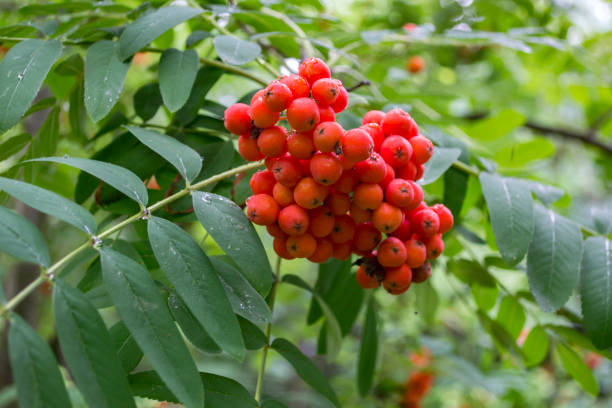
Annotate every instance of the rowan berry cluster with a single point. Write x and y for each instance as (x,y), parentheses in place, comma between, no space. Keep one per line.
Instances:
(327,192)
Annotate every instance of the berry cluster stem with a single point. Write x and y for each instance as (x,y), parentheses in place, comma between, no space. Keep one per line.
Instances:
(264,354)
(49,274)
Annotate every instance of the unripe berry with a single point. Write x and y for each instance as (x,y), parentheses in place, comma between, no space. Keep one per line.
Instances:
(421,273)
(299,86)
(293,220)
(368,196)
(373,116)
(325,91)
(322,221)
(326,136)
(313,69)
(300,145)
(398,122)
(426,223)
(262,209)
(325,168)
(446,217)
(341,101)
(356,145)
(237,120)
(422,149)
(301,246)
(367,237)
(248,149)
(400,193)
(303,114)
(371,170)
(396,151)
(416,253)
(391,253)
(262,182)
(344,229)
(387,218)
(283,195)
(287,171)
(323,252)
(262,116)
(366,281)
(277,96)
(435,246)
(309,194)
(397,279)
(272,141)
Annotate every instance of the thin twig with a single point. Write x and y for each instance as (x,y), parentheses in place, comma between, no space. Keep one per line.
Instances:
(358,85)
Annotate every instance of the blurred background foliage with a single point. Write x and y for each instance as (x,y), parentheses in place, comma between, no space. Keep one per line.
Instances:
(526,85)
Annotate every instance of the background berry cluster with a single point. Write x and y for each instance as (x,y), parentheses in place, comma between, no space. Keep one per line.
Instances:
(327,192)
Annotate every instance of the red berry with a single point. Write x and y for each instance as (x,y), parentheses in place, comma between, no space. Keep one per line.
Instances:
(371,170)
(389,176)
(404,231)
(373,116)
(272,141)
(248,149)
(280,247)
(341,101)
(262,209)
(275,231)
(237,120)
(420,171)
(322,221)
(309,194)
(326,137)
(339,203)
(303,114)
(262,182)
(325,168)
(324,91)
(326,114)
(435,246)
(366,281)
(287,170)
(299,86)
(313,69)
(421,273)
(415,64)
(324,251)
(391,252)
(407,172)
(356,145)
(301,246)
(387,218)
(293,220)
(416,253)
(359,215)
(282,194)
(262,116)
(446,217)
(398,122)
(367,237)
(346,182)
(375,132)
(299,145)
(344,229)
(400,193)
(396,151)
(277,96)
(342,251)
(426,222)
(397,280)
(417,196)
(422,149)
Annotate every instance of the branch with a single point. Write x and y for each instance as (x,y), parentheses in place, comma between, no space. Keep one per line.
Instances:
(586,137)
(358,85)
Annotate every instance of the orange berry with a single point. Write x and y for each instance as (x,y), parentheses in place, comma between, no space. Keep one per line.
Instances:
(237,120)
(262,209)
(422,149)
(373,116)
(300,145)
(327,135)
(339,203)
(434,246)
(344,229)
(416,253)
(346,182)
(283,195)
(275,231)
(356,145)
(309,194)
(368,196)
(367,237)
(287,170)
(342,251)
(325,168)
(391,252)
(301,246)
(280,247)
(387,218)
(415,64)
(398,122)
(341,101)
(312,69)
(397,278)
(299,86)
(324,251)
(277,96)
(248,149)
(272,141)
(303,114)
(366,281)
(293,220)
(325,91)
(360,215)
(262,116)
(262,182)
(322,221)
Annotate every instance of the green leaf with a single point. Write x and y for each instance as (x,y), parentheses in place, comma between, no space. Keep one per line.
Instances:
(122,179)
(553,260)
(125,346)
(76,114)
(71,66)
(48,135)
(225,221)
(190,327)
(485,297)
(469,271)
(150,26)
(42,104)
(50,203)
(88,349)
(245,300)
(495,127)
(368,351)
(186,160)
(305,369)
(253,337)
(596,290)
(511,315)
(427,300)
(147,384)
(272,404)
(571,335)
(579,371)
(205,79)
(333,334)
(104,76)
(22,71)
(190,271)
(13,145)
(147,101)
(511,211)
(520,154)
(441,161)
(144,312)
(225,392)
(545,193)
(196,36)
(21,239)
(535,347)
(38,378)
(177,74)
(235,51)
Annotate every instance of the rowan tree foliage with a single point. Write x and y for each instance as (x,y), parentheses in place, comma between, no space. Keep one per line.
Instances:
(132,274)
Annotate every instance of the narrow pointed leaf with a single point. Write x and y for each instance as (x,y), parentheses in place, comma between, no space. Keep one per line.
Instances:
(511,212)
(50,203)
(186,160)
(125,346)
(206,78)
(245,300)
(305,369)
(22,72)
(225,221)
(20,238)
(441,161)
(553,261)
(118,177)
(177,74)
(88,350)
(575,366)
(145,314)
(368,351)
(191,328)
(235,51)
(190,271)
(38,378)
(151,25)
(596,290)
(104,76)
(14,145)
